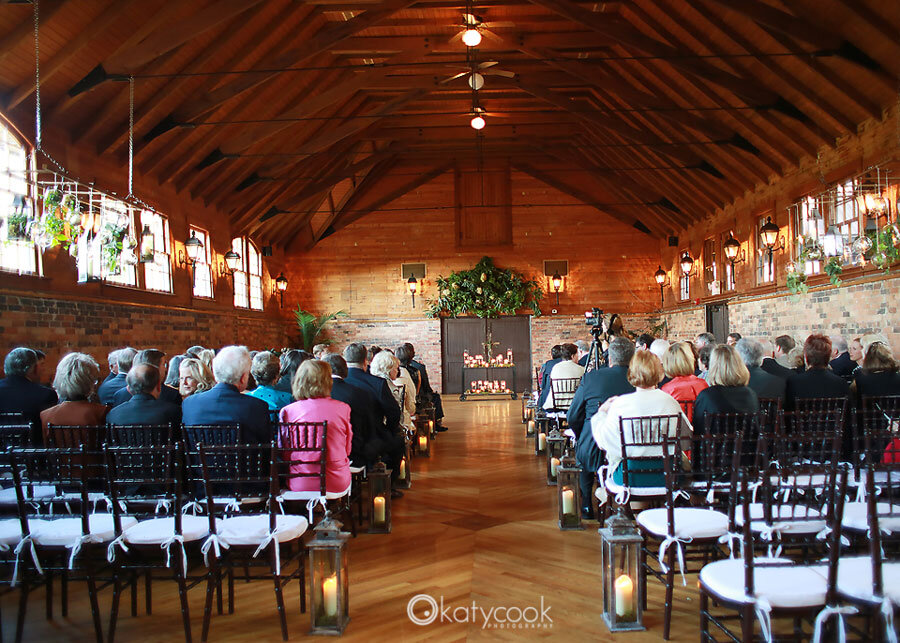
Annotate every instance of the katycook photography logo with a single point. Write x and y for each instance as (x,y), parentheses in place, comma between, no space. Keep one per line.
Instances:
(424,609)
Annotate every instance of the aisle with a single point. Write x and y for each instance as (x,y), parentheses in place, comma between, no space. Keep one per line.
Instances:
(478,526)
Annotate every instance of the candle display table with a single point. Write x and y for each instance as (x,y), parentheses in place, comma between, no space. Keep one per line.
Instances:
(487,390)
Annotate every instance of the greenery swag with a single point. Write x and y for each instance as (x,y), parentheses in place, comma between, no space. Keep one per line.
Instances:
(485,291)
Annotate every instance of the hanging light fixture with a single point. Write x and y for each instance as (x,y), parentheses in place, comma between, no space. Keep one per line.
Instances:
(687,264)
(732,250)
(281,283)
(471,36)
(833,243)
(232,261)
(556,280)
(148,245)
(193,247)
(477,121)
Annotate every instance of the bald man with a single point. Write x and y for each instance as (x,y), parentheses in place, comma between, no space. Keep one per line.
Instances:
(144,407)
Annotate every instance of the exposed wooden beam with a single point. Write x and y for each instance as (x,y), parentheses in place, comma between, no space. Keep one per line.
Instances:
(356,195)
(24,31)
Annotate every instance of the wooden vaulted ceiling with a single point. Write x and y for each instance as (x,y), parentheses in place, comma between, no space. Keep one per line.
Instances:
(295,118)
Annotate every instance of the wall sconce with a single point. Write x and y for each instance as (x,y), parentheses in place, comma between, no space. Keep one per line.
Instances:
(732,250)
(231,265)
(148,245)
(281,284)
(660,276)
(556,280)
(687,265)
(192,249)
(771,238)
(412,285)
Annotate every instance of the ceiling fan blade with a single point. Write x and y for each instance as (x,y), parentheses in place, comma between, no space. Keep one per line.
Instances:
(487,63)
(500,72)
(501,24)
(469,19)
(456,38)
(454,77)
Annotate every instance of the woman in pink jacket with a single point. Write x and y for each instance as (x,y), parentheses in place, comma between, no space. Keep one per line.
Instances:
(678,364)
(311,388)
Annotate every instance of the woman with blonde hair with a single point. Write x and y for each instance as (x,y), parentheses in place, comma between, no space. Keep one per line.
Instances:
(311,388)
(76,382)
(386,366)
(679,365)
(728,391)
(193,377)
(880,372)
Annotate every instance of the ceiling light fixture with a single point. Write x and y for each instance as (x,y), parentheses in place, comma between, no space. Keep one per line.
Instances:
(471,37)
(477,123)
(476,81)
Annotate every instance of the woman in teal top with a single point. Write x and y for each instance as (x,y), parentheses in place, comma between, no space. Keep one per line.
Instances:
(265,368)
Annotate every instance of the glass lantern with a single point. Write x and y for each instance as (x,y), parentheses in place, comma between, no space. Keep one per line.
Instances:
(329,581)
(556,443)
(569,494)
(620,553)
(404,477)
(380,499)
(422,438)
(525,398)
(529,429)
(540,439)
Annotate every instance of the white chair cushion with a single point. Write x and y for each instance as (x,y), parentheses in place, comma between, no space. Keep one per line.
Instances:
(856,516)
(252,530)
(792,526)
(614,488)
(690,522)
(855,579)
(357,469)
(312,495)
(11,530)
(784,585)
(38,492)
(159,530)
(65,531)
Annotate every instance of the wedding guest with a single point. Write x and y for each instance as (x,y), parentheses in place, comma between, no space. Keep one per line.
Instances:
(321,350)
(76,381)
(426,394)
(367,446)
(109,388)
(566,368)
(556,356)
(659,348)
(144,405)
(795,360)
(207,355)
(157,359)
(841,364)
(703,360)
(387,366)
(112,361)
(683,385)
(193,377)
(405,354)
(778,363)
(879,375)
(194,351)
(584,348)
(733,338)
(21,391)
(643,342)
(817,381)
(173,371)
(704,339)
(728,392)
(855,351)
(265,368)
(312,389)
(290,362)
(766,385)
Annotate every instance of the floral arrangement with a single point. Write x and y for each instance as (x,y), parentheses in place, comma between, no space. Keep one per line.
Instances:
(60,221)
(485,291)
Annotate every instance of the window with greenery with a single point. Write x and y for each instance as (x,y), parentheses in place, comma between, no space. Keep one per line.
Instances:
(18,252)
(203,286)
(117,242)
(157,273)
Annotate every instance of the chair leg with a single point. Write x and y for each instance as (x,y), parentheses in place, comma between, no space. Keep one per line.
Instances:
(148,591)
(64,592)
(230,588)
(704,619)
(48,596)
(114,609)
(747,623)
(212,577)
(180,574)
(670,586)
(279,597)
(95,606)
(23,606)
(219,590)
(302,569)
(134,598)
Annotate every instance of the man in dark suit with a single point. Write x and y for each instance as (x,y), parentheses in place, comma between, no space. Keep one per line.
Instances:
(155,358)
(784,344)
(841,364)
(817,380)
(109,388)
(20,391)
(426,393)
(596,387)
(224,403)
(584,349)
(544,374)
(144,407)
(366,447)
(765,384)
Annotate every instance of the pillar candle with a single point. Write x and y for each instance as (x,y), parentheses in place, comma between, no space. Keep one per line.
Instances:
(378,504)
(431,424)
(542,440)
(530,427)
(624,595)
(403,468)
(329,594)
(554,465)
(423,442)
(568,502)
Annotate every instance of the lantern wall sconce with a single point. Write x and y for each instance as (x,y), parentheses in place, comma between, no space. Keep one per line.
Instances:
(557,282)
(413,276)
(230,265)
(556,272)
(770,235)
(412,285)
(191,253)
(281,284)
(148,245)
(329,581)
(733,251)
(661,279)
(687,265)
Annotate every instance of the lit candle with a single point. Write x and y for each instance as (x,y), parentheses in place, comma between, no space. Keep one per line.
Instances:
(431,425)
(554,465)
(542,440)
(473,387)
(530,427)
(403,468)
(423,442)
(624,595)
(329,594)
(378,504)
(568,502)
(502,385)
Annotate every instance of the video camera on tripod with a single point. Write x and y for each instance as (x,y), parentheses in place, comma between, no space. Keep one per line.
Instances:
(594,319)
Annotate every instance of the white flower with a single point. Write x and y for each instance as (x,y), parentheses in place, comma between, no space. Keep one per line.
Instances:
(478,290)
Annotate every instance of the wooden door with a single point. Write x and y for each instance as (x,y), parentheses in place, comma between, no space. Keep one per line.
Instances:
(717,321)
(471,333)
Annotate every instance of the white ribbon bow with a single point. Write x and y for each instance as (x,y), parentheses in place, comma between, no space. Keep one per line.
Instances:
(193,506)
(26,540)
(111,548)
(311,506)
(754,487)
(233,504)
(216,543)
(771,534)
(679,550)
(76,547)
(887,612)
(827,612)
(164,504)
(623,496)
(822,535)
(729,539)
(270,538)
(167,545)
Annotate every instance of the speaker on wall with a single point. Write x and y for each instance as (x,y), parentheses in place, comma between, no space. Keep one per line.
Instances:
(673,242)
(267,251)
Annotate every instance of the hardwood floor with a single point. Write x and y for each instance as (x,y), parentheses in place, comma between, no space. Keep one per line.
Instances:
(479,524)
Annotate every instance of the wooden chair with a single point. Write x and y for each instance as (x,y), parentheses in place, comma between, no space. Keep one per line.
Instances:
(141,435)
(726,436)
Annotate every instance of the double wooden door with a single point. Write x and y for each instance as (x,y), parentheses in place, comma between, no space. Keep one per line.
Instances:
(471,333)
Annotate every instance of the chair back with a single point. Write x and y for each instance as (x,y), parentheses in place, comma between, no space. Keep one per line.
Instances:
(238,471)
(822,405)
(537,379)
(808,437)
(882,486)
(687,407)
(11,418)
(13,435)
(140,435)
(66,436)
(144,481)
(211,434)
(728,440)
(302,451)
(642,447)
(562,391)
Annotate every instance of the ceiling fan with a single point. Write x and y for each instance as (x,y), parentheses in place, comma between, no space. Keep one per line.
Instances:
(473,27)
(477,71)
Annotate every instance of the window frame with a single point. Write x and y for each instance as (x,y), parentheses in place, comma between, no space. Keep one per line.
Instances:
(19,248)
(161,257)
(246,280)
(204,264)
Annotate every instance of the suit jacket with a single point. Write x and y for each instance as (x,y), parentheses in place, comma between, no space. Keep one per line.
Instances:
(766,385)
(76,413)
(166,394)
(109,388)
(769,365)
(842,365)
(583,360)
(816,382)
(224,404)
(387,406)
(362,419)
(545,379)
(18,394)
(145,409)
(424,386)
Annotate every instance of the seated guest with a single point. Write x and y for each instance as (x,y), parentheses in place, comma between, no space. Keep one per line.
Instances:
(21,391)
(173,372)
(157,359)
(193,377)
(704,339)
(312,389)
(703,360)
(841,364)
(766,385)
(144,405)
(584,348)
(387,367)
(109,388)
(644,373)
(321,350)
(728,391)
(207,355)
(818,381)
(644,342)
(795,360)
(566,368)
(544,373)
(224,403)
(879,374)
(112,360)
(77,377)
(778,364)
(733,338)
(264,368)
(678,365)
(855,350)
(373,351)
(426,394)
(659,348)
(194,351)
(367,446)
(597,386)
(405,354)
(290,362)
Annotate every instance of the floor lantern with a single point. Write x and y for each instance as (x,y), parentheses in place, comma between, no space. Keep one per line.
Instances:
(329,582)
(404,475)
(569,494)
(380,497)
(620,550)
(423,439)
(556,443)
(529,429)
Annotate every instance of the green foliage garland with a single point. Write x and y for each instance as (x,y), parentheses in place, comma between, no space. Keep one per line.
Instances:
(834,269)
(485,291)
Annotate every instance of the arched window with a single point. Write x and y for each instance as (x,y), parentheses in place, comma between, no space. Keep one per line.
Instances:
(17,250)
(248,291)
